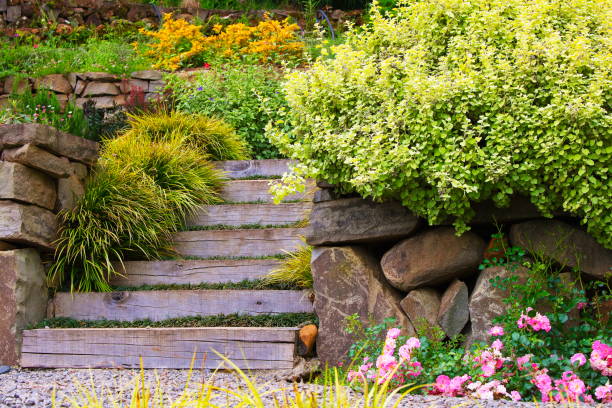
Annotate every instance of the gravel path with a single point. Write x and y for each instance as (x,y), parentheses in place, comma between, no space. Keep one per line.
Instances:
(23,388)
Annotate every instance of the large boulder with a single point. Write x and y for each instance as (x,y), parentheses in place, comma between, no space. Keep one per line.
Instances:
(486,301)
(24,299)
(422,306)
(27,224)
(355,220)
(454,311)
(565,243)
(348,280)
(39,159)
(21,183)
(54,82)
(433,257)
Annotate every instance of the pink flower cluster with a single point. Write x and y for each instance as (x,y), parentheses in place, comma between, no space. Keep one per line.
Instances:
(452,387)
(601,358)
(388,365)
(537,323)
(570,388)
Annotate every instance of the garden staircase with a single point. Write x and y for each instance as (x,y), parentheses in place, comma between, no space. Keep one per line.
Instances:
(214,249)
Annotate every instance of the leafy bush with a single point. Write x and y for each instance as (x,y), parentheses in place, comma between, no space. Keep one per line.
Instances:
(211,137)
(294,270)
(137,197)
(247,97)
(450,102)
(44,107)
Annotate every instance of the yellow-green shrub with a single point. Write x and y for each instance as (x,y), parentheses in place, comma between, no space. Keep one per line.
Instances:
(451,102)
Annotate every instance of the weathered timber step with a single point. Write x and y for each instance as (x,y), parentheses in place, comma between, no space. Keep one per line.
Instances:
(240,242)
(185,272)
(244,214)
(159,305)
(248,347)
(253,168)
(258,190)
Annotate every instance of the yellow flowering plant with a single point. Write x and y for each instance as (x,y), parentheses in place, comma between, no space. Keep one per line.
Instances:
(179,43)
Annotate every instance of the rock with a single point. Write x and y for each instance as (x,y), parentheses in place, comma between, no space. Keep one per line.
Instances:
(348,280)
(323,195)
(101,102)
(354,220)
(496,248)
(80,87)
(120,100)
(24,299)
(303,370)
(32,156)
(80,170)
(307,337)
(433,257)
(72,79)
(422,306)
(156,86)
(147,75)
(5,246)
(13,84)
(73,147)
(486,301)
(454,309)
(519,209)
(100,88)
(3,5)
(5,369)
(68,192)
(27,224)
(13,13)
(138,85)
(565,243)
(20,183)
(54,82)
(99,76)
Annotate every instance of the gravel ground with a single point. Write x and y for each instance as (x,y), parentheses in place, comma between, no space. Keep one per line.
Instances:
(24,388)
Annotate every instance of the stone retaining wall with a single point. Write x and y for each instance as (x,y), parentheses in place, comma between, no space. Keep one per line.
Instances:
(106,90)
(42,171)
(380,260)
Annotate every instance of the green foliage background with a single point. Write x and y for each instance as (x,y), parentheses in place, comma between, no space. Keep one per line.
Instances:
(451,102)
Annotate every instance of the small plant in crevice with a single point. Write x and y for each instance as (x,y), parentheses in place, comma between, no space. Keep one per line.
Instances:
(294,269)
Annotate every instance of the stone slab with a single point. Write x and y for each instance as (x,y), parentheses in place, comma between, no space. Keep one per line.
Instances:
(27,224)
(21,183)
(39,159)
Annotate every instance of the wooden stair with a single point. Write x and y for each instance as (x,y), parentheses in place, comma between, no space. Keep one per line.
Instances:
(224,252)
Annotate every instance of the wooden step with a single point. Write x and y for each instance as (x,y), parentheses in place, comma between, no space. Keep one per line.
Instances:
(248,347)
(238,191)
(185,272)
(157,305)
(249,214)
(253,168)
(241,242)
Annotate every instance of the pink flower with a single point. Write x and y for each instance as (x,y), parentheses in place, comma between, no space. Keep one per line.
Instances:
(581,305)
(393,333)
(604,393)
(496,331)
(404,352)
(413,343)
(576,387)
(578,358)
(488,369)
(497,345)
(537,323)
(544,384)
(515,395)
(601,358)
(521,361)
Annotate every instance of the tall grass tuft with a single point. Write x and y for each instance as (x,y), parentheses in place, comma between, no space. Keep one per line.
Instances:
(140,193)
(212,137)
(293,270)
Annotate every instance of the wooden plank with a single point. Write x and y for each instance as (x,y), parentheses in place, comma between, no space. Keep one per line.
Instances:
(159,305)
(247,214)
(248,347)
(183,272)
(253,168)
(258,190)
(241,242)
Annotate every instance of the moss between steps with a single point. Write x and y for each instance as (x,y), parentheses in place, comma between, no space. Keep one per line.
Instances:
(233,320)
(297,224)
(255,284)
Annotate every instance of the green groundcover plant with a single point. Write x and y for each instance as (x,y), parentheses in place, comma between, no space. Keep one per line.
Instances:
(449,102)
(245,96)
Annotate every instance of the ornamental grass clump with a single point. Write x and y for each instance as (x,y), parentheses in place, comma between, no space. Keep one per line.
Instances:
(294,270)
(139,194)
(210,136)
(448,102)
